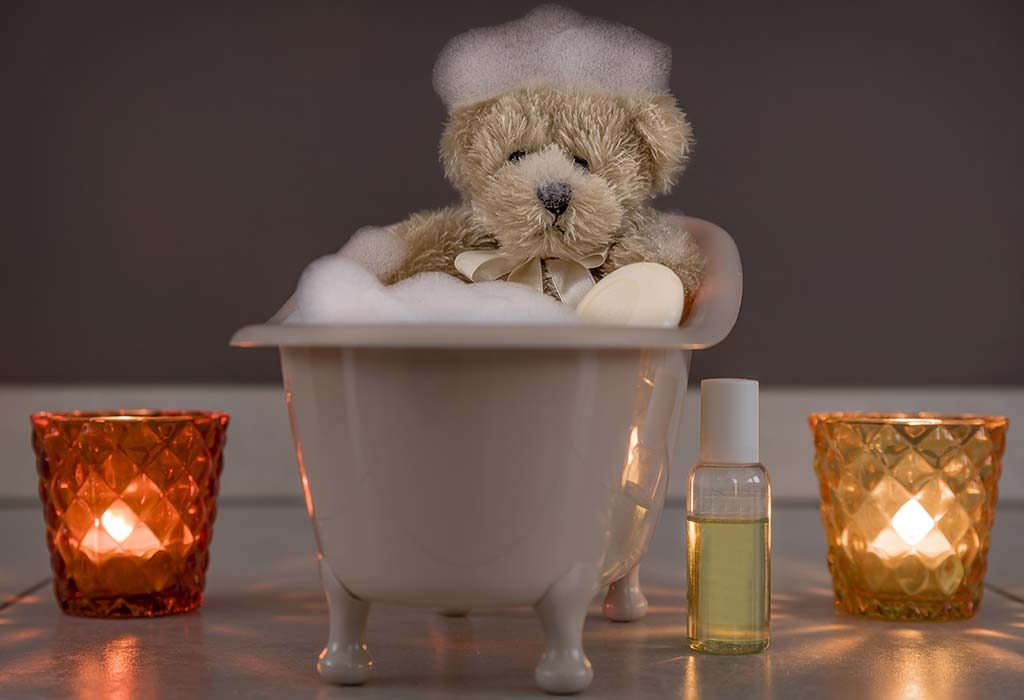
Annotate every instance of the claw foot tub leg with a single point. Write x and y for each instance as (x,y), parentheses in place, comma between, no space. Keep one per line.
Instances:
(564,667)
(345,660)
(626,601)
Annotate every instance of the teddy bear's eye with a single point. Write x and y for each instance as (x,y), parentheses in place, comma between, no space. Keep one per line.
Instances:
(582,162)
(516,156)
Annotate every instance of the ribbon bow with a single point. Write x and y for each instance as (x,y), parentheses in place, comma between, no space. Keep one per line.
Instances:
(571,277)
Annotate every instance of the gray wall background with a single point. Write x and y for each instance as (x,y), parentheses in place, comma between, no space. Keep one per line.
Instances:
(167,170)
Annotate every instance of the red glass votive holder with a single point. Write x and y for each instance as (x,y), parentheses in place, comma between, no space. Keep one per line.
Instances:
(129,499)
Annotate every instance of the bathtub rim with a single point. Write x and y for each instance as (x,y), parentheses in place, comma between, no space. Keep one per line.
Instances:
(714,313)
(493,336)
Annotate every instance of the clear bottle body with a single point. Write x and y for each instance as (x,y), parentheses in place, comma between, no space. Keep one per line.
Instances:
(728,533)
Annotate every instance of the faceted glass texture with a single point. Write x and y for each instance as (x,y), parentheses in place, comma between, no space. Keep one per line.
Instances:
(129,500)
(908,502)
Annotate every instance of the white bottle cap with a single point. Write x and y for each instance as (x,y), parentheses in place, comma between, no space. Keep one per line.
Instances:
(728,421)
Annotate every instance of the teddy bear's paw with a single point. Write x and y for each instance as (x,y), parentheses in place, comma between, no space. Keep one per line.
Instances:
(377,249)
(674,247)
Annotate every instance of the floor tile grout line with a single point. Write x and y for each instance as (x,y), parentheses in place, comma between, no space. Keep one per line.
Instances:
(14,599)
(1004,593)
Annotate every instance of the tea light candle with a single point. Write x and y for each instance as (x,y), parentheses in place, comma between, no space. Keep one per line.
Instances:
(119,530)
(910,525)
(129,501)
(908,502)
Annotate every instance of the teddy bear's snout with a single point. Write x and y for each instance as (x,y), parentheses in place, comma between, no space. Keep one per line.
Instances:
(555,196)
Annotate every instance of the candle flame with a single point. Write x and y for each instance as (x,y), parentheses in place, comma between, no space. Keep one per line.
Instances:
(117,524)
(120,530)
(912,522)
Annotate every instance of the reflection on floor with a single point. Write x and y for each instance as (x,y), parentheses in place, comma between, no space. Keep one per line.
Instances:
(264,621)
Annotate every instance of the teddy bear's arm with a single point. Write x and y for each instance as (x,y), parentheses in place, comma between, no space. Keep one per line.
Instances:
(434,239)
(659,239)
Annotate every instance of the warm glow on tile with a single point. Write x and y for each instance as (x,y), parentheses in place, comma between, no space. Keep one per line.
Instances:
(912,522)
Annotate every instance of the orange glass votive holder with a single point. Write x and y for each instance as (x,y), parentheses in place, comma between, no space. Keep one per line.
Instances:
(908,501)
(129,499)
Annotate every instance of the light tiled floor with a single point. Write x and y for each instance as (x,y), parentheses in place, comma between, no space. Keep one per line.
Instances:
(264,621)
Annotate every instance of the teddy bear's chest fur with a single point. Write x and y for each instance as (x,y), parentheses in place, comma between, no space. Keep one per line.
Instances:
(436,238)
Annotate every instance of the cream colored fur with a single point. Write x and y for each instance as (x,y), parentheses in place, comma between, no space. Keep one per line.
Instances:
(635,146)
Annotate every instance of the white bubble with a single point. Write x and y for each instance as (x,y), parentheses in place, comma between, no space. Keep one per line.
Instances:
(338,289)
(551,45)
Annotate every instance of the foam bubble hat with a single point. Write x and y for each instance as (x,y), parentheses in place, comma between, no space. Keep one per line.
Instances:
(553,46)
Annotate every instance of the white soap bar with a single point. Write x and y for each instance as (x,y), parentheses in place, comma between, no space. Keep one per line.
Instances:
(641,294)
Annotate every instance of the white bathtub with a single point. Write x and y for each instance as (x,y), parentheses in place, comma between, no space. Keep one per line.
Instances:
(467,466)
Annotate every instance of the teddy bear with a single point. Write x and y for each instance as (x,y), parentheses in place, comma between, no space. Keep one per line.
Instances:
(560,132)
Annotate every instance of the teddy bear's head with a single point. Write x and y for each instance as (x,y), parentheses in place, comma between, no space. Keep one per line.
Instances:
(560,129)
(556,172)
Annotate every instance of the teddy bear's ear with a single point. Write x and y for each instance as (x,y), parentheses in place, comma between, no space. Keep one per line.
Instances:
(666,136)
(457,140)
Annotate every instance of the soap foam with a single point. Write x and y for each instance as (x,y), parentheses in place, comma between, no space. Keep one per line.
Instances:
(551,45)
(338,289)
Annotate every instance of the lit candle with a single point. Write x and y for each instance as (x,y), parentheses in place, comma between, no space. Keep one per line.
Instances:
(911,530)
(129,501)
(119,531)
(907,504)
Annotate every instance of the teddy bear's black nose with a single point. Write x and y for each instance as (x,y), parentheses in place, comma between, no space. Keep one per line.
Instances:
(555,196)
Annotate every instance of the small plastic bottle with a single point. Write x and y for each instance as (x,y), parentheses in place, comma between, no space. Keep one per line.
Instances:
(728,525)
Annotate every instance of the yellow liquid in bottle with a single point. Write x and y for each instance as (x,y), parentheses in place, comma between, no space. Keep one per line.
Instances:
(729,584)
